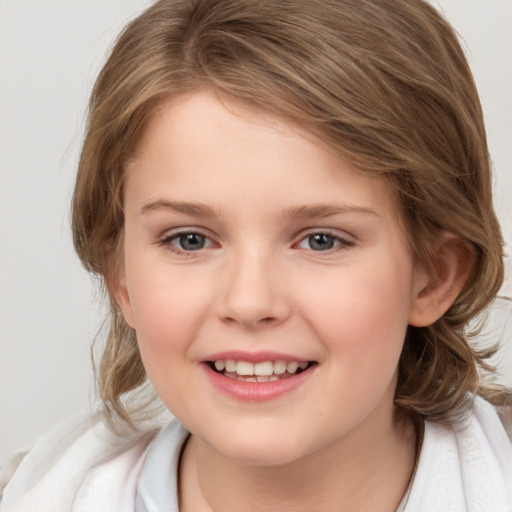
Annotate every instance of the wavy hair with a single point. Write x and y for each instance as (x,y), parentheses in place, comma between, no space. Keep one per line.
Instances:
(383,83)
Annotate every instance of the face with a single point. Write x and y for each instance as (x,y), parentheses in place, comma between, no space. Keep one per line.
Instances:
(269,283)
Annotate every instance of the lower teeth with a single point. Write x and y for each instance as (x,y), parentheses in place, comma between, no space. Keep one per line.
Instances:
(258,378)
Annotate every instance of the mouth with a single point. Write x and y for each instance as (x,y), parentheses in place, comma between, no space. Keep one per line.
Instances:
(264,371)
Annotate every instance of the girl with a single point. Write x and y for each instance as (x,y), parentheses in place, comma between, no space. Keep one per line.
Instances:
(290,206)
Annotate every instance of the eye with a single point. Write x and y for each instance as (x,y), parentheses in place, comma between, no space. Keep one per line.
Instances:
(191,241)
(187,242)
(323,242)
(320,242)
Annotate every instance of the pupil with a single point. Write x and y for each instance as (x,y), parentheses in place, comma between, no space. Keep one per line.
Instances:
(321,242)
(192,241)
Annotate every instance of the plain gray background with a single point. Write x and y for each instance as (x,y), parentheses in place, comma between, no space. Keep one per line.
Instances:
(50,53)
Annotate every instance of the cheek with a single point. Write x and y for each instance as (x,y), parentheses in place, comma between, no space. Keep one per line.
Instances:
(166,306)
(165,330)
(362,313)
(163,316)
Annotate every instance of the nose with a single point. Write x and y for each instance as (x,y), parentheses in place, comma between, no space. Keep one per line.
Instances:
(253,292)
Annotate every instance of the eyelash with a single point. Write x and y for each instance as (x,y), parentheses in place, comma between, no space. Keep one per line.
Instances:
(343,243)
(167,242)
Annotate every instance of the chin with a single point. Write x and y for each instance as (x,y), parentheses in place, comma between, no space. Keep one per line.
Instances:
(258,447)
(256,456)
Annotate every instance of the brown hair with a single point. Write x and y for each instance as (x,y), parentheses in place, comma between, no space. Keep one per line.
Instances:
(384,83)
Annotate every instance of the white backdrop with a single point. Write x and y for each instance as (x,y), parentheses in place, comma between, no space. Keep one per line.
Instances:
(50,53)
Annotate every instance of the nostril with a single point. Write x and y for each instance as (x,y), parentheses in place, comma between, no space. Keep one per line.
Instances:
(261,322)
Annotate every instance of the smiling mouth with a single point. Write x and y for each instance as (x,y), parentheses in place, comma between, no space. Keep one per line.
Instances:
(264,371)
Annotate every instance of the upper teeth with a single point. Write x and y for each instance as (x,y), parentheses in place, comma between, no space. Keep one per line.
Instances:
(264,368)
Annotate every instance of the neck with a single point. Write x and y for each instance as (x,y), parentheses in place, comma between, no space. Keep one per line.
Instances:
(367,470)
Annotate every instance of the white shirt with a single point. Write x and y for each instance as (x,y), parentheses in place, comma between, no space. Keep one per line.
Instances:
(83,467)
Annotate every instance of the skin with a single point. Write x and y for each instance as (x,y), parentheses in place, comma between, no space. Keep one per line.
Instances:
(259,283)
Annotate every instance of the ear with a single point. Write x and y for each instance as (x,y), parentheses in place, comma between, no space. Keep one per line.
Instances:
(119,291)
(436,289)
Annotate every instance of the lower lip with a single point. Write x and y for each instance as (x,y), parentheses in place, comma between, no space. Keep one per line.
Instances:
(256,391)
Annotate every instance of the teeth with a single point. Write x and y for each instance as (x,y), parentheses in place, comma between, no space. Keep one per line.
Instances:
(230,365)
(264,371)
(279,367)
(292,367)
(265,368)
(244,368)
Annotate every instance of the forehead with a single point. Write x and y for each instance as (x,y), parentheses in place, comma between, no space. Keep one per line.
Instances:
(198,144)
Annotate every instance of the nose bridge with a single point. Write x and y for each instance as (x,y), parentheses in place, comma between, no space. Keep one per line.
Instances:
(253,292)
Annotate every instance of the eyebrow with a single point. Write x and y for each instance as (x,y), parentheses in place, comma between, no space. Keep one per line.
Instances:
(192,209)
(321,211)
(314,211)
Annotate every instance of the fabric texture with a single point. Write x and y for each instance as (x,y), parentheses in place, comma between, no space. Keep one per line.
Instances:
(83,467)
(157,489)
(79,467)
(463,468)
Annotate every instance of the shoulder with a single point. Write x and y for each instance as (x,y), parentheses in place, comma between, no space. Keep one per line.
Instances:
(485,439)
(80,462)
(505,415)
(465,466)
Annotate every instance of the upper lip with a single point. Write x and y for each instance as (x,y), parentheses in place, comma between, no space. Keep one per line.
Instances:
(255,357)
